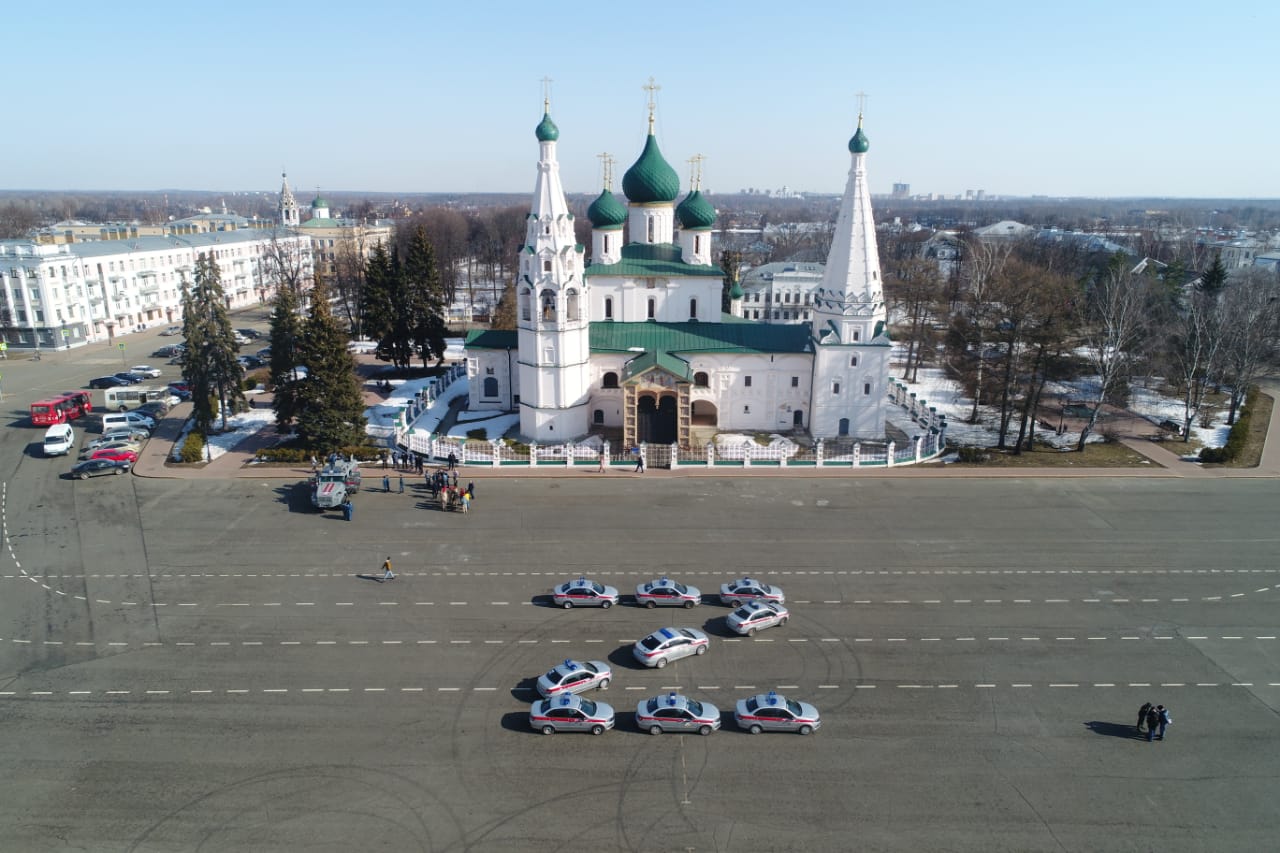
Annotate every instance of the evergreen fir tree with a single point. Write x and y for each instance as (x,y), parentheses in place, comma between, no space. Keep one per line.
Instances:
(424,298)
(330,405)
(210,365)
(286,336)
(382,308)
(1215,277)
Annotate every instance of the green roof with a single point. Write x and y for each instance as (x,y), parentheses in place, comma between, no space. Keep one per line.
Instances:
(651,178)
(672,364)
(859,143)
(607,212)
(663,341)
(547,130)
(695,212)
(700,337)
(319,202)
(653,260)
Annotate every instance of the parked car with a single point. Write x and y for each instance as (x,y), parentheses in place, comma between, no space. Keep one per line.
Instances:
(166,351)
(250,362)
(134,434)
(145,370)
(119,454)
(93,467)
(155,410)
(251,334)
(129,377)
(171,331)
(107,382)
(92,448)
(265,352)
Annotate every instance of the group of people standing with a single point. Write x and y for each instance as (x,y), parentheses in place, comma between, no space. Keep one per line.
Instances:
(1156,718)
(404,460)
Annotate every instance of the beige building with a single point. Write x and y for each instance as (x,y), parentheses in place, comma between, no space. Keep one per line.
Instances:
(333,238)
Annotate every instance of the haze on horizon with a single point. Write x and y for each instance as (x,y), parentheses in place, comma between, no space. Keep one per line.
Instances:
(1140,99)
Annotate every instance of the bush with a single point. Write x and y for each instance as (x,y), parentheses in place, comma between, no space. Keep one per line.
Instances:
(362,452)
(976,455)
(1213,455)
(480,434)
(192,448)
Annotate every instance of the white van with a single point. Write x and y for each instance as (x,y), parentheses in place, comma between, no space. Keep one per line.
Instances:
(116,420)
(59,439)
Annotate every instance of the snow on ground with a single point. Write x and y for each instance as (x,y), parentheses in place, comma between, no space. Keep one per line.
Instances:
(239,427)
(494,426)
(945,394)
(382,416)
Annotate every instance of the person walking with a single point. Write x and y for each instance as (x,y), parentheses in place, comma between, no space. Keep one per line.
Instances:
(402,484)
(386,484)
(315,463)
(471,490)
(347,509)
(452,460)
(600,465)
(387,574)
(639,460)
(1153,720)
(1142,715)
(1162,715)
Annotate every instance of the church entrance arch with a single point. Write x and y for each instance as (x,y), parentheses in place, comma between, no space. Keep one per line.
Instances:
(704,413)
(656,418)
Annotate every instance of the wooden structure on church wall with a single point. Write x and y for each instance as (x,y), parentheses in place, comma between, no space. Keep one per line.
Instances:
(656,408)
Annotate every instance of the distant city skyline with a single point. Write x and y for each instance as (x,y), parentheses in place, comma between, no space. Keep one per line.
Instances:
(1140,99)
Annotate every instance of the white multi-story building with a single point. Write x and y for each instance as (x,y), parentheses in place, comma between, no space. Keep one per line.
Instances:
(70,294)
(634,338)
(780,292)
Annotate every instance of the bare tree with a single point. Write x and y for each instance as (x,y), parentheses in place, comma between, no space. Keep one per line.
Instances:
(986,262)
(914,290)
(286,262)
(1251,332)
(349,279)
(1112,315)
(1192,349)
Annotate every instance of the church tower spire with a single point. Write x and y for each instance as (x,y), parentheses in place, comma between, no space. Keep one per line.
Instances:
(552,305)
(851,343)
(290,216)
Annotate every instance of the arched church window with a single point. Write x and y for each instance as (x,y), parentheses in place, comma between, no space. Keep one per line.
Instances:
(652,308)
(571,304)
(693,309)
(524,304)
(609,380)
(548,306)
(843,427)
(490,387)
(608,307)
(853,362)
(697,244)
(606,244)
(835,387)
(701,380)
(597,417)
(652,231)
(546,265)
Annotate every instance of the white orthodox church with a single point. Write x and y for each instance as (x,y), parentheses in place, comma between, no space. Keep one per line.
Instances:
(632,337)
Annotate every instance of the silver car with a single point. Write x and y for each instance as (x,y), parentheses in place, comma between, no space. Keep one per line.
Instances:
(676,713)
(773,712)
(737,591)
(584,593)
(575,677)
(664,592)
(668,644)
(752,616)
(570,714)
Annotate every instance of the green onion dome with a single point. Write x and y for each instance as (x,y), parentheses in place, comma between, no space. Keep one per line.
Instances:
(651,178)
(735,292)
(547,130)
(859,143)
(319,202)
(607,212)
(695,212)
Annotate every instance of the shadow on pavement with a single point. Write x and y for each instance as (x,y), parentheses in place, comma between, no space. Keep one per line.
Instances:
(525,690)
(622,658)
(1120,730)
(518,721)
(297,497)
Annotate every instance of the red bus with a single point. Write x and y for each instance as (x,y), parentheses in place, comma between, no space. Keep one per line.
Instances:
(78,404)
(49,412)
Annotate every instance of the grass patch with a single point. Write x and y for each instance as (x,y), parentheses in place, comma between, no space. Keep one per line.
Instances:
(1251,454)
(1098,454)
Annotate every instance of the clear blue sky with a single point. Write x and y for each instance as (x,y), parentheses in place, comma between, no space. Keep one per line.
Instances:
(1087,98)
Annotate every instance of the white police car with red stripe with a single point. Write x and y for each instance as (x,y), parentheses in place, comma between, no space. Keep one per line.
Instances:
(668,644)
(676,713)
(570,714)
(584,593)
(737,591)
(664,592)
(773,712)
(754,616)
(575,677)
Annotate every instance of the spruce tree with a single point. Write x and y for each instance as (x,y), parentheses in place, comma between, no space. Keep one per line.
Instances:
(424,298)
(286,335)
(383,310)
(210,365)
(1215,277)
(330,405)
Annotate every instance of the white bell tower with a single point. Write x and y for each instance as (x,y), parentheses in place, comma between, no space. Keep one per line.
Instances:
(552,316)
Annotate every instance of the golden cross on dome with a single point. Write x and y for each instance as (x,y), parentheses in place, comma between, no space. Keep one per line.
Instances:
(862,106)
(695,171)
(652,88)
(606,165)
(546,94)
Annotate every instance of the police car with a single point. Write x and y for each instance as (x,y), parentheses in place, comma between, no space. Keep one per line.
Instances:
(570,714)
(737,591)
(676,713)
(584,593)
(772,712)
(667,593)
(755,615)
(574,676)
(668,644)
